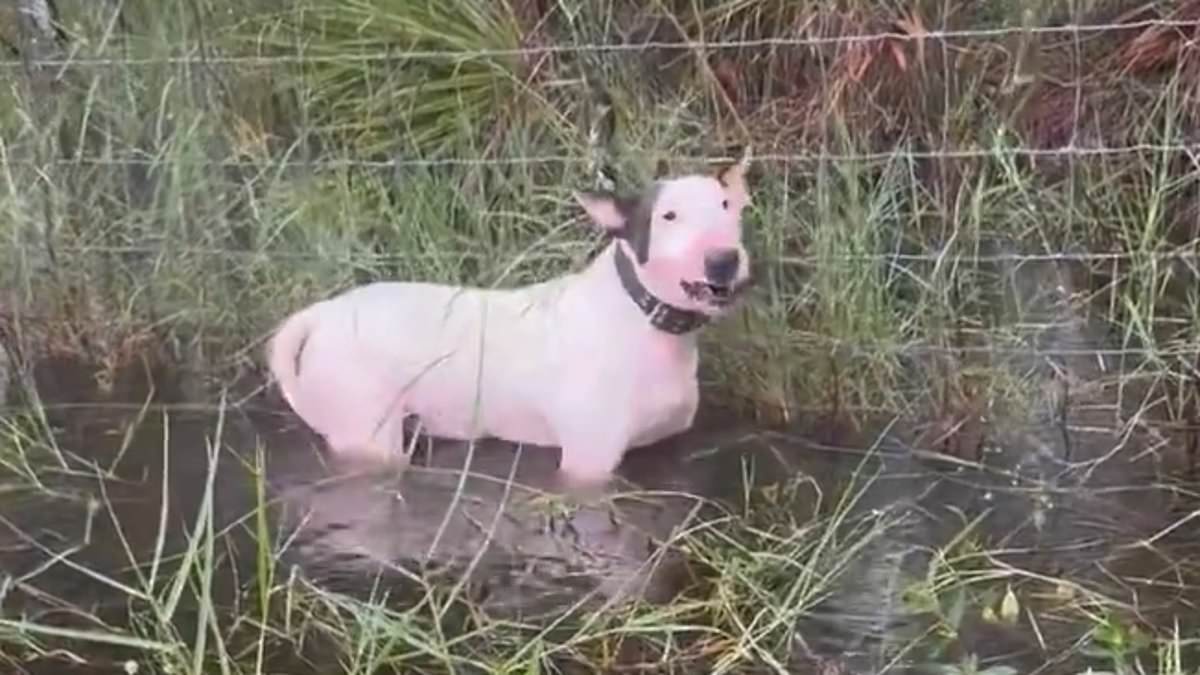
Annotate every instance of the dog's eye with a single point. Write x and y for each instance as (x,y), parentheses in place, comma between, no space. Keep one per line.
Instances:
(725,204)
(669,215)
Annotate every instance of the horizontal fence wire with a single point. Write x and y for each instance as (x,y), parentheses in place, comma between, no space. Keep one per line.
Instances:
(535,50)
(1191,149)
(1188,356)
(1011,341)
(1192,254)
(250,407)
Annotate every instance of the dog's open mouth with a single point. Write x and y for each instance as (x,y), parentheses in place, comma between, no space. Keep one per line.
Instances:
(717,295)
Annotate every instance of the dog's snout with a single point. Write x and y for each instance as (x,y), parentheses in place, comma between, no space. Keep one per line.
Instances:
(721,266)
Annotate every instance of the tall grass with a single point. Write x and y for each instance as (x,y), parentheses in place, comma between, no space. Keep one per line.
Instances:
(175,210)
(199,202)
(397,105)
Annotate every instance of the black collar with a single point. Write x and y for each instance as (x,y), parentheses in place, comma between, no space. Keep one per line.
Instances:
(665,317)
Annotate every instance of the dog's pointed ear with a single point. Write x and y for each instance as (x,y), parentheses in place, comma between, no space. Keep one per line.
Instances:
(733,179)
(605,210)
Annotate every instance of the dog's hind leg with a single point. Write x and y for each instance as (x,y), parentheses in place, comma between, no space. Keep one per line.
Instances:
(385,442)
(375,432)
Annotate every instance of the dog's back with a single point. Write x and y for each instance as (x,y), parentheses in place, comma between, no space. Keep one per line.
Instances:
(386,349)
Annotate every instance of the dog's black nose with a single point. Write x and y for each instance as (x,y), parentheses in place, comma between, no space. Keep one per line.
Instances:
(721,266)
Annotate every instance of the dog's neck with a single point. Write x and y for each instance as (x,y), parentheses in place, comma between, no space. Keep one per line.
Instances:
(663,316)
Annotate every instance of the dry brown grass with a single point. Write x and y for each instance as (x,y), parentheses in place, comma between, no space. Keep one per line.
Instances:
(917,89)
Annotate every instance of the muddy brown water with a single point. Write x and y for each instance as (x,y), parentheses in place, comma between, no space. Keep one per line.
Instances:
(348,530)
(1062,494)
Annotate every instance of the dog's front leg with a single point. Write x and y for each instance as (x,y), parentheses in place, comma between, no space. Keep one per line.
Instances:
(588,412)
(592,450)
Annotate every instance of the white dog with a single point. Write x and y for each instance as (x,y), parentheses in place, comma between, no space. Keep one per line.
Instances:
(595,362)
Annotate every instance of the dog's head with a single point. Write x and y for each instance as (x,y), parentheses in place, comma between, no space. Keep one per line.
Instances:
(685,236)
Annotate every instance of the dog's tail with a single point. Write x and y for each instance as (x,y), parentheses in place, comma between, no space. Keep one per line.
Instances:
(284,349)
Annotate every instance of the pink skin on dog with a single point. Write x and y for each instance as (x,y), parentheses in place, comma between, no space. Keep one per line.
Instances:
(573,362)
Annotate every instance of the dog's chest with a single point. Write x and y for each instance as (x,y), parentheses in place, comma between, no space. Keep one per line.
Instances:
(665,393)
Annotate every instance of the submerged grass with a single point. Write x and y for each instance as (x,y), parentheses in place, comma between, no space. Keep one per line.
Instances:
(204,592)
(168,606)
(188,178)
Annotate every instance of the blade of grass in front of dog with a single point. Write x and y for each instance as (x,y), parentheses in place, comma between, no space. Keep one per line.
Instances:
(203,514)
(207,619)
(462,479)
(489,535)
(160,540)
(97,637)
(266,570)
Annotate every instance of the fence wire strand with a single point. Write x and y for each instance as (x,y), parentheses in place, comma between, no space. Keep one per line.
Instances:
(604,47)
(1190,149)
(1189,255)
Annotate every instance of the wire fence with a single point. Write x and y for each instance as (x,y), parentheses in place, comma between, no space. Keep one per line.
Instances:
(1084,395)
(194,54)
(600,48)
(1192,150)
(1185,254)
(199,56)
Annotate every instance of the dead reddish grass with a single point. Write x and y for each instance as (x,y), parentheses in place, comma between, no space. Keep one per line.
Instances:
(925,91)
(80,326)
(1160,48)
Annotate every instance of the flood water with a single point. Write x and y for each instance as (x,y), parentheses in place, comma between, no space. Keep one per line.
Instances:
(1065,501)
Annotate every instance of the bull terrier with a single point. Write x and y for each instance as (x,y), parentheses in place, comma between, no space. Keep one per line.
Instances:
(594,362)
